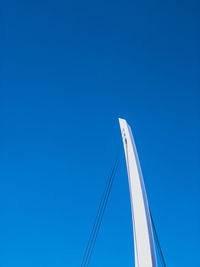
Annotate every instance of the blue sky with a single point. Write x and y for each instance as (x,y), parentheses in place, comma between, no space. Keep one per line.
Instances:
(69,69)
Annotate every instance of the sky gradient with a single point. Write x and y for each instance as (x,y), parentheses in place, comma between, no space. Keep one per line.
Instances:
(68,70)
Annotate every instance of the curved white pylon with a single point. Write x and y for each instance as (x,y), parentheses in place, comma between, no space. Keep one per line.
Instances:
(142,229)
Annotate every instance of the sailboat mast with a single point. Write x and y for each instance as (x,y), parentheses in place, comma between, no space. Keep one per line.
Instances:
(145,255)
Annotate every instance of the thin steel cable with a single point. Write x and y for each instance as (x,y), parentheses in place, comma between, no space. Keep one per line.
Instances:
(99,225)
(158,242)
(99,220)
(98,215)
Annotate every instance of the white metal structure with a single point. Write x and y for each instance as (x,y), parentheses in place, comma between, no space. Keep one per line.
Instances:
(142,228)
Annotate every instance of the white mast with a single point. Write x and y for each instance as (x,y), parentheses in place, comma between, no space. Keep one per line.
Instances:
(142,229)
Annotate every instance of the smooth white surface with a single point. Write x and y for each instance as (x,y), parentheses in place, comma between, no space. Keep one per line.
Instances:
(142,228)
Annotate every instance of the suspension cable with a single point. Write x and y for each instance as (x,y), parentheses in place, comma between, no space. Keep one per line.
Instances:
(100,220)
(99,217)
(157,241)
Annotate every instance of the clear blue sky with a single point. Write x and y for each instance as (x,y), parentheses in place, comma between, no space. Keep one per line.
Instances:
(68,70)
